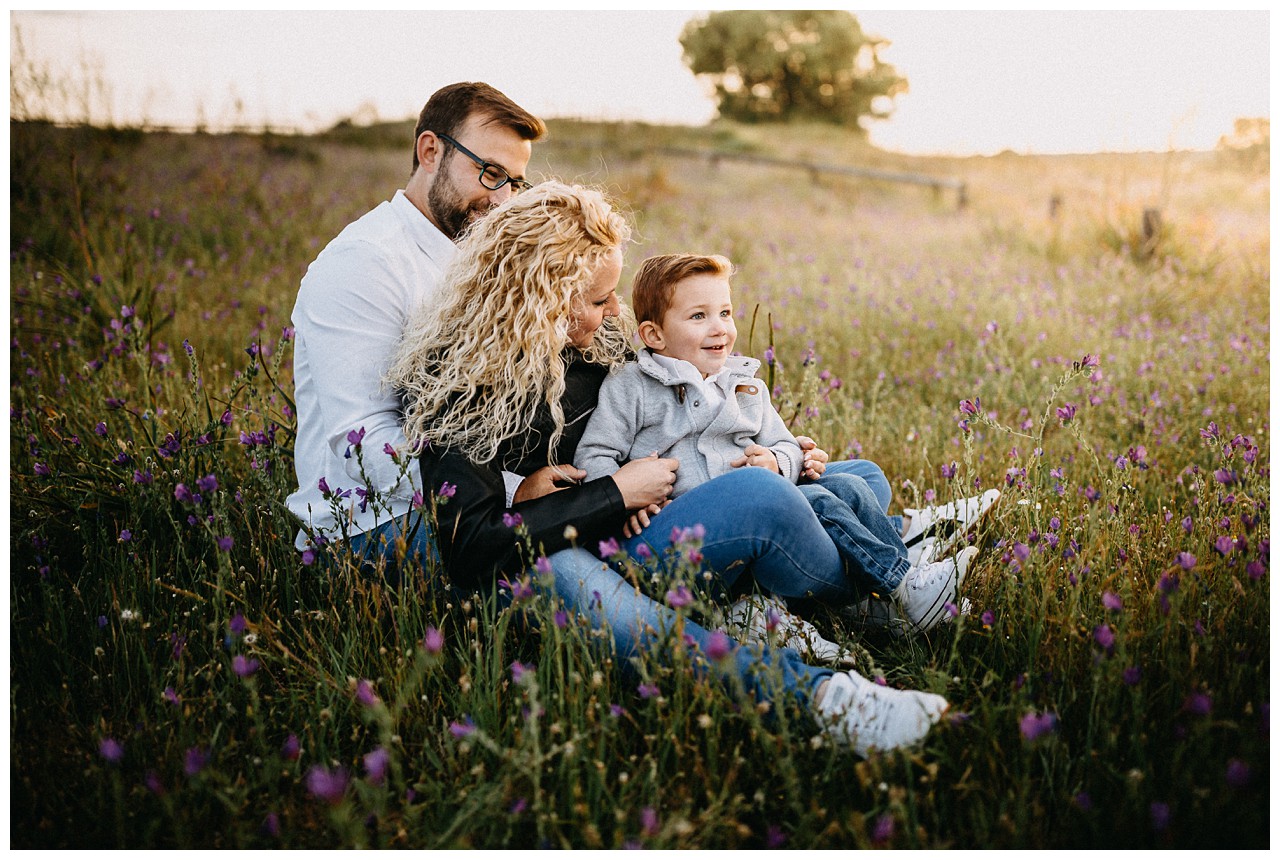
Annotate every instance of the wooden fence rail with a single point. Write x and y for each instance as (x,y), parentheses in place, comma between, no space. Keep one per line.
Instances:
(815,170)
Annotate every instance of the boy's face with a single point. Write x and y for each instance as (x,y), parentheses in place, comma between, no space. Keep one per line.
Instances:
(698,327)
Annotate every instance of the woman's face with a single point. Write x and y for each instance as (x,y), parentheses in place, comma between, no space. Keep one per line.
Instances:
(599,301)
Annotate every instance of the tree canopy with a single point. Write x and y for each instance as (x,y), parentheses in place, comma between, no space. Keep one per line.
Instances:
(792,65)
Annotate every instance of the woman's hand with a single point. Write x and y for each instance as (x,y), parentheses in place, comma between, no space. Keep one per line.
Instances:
(639,521)
(758,455)
(547,480)
(647,481)
(815,459)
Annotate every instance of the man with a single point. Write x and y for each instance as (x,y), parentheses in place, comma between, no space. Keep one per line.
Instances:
(472,146)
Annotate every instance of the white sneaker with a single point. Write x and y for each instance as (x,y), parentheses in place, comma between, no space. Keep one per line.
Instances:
(945,521)
(925,591)
(764,618)
(922,552)
(869,717)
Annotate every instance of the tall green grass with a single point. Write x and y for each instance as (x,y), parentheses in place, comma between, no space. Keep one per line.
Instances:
(179,676)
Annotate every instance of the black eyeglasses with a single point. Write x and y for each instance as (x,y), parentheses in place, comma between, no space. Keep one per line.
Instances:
(492,176)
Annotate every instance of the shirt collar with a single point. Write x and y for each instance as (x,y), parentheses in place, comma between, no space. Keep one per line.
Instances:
(433,243)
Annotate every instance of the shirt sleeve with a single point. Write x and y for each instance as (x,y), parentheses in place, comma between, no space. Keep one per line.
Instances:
(775,436)
(611,432)
(351,316)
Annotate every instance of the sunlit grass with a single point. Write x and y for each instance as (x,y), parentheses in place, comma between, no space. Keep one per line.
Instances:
(179,676)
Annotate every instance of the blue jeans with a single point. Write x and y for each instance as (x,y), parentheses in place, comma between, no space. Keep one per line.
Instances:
(875,478)
(756,523)
(875,557)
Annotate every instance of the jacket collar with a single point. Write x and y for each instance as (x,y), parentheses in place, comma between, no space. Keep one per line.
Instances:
(736,367)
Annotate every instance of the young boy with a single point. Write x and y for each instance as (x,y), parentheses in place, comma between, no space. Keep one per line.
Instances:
(687,397)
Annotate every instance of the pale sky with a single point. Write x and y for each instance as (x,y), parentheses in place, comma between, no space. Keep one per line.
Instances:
(980,82)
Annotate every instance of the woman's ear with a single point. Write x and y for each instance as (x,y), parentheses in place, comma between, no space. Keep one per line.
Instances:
(651,334)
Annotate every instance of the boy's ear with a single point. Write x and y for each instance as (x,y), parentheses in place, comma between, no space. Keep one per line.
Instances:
(651,335)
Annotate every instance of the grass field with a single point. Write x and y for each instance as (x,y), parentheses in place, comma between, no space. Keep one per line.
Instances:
(180,678)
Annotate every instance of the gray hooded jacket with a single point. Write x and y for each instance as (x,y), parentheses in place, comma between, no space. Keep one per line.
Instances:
(645,408)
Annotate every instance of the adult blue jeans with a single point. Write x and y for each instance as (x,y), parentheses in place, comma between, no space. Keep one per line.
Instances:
(592,589)
(868,541)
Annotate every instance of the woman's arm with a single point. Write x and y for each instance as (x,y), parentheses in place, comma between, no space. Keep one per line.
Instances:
(474,528)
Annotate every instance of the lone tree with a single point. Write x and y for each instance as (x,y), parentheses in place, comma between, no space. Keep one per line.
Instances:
(790,65)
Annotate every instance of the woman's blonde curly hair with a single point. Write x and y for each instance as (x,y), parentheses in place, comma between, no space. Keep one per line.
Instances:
(475,365)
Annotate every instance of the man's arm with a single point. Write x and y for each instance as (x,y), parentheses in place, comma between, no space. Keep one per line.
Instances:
(350,314)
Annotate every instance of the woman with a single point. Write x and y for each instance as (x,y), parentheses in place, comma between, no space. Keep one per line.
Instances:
(501,375)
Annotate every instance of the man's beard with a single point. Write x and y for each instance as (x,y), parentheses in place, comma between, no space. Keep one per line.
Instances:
(450,214)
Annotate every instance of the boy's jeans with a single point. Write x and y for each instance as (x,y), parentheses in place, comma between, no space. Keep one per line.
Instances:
(868,541)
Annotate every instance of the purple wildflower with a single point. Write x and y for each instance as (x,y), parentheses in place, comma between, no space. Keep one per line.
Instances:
(988,618)
(1083,801)
(291,749)
(125,536)
(1105,637)
(948,470)
(1198,704)
(375,765)
(543,566)
(183,494)
(971,407)
(561,618)
(365,694)
(1066,412)
(648,691)
(170,695)
(649,821)
(355,438)
(1238,773)
(519,806)
(774,837)
(433,641)
(679,597)
(42,470)
(447,490)
(462,728)
(153,783)
(511,520)
(237,624)
(520,671)
(308,557)
(883,829)
(1160,816)
(1112,601)
(718,646)
(243,666)
(1034,726)
(194,760)
(609,548)
(271,825)
(225,543)
(1131,676)
(1186,560)
(111,750)
(327,785)
(1224,544)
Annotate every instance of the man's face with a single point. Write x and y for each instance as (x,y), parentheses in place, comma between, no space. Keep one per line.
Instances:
(456,199)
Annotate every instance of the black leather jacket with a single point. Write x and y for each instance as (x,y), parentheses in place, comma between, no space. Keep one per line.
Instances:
(475,543)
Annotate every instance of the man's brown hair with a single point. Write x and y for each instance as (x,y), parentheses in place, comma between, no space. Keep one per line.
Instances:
(654,283)
(449,107)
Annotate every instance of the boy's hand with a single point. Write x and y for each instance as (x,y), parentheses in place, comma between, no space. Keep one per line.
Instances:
(758,455)
(815,459)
